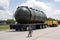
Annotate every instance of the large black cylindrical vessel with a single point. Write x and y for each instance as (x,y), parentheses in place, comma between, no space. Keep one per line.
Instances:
(25,14)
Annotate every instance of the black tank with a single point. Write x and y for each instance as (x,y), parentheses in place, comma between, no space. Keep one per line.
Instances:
(25,14)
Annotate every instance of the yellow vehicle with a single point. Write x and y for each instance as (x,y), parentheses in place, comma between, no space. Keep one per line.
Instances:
(51,23)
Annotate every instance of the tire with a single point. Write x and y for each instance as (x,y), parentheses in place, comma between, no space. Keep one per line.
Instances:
(45,26)
(16,29)
(40,26)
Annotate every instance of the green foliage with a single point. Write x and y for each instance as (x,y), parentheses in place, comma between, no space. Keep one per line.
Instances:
(10,21)
(50,19)
(1,21)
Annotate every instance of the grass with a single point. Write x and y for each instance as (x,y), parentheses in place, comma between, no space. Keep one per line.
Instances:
(4,27)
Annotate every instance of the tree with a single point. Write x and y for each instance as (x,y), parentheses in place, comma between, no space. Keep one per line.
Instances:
(2,22)
(10,21)
(50,19)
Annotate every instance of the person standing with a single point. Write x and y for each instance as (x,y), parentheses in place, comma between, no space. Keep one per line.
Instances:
(30,31)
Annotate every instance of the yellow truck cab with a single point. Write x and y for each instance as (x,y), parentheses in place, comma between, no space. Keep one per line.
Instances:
(52,23)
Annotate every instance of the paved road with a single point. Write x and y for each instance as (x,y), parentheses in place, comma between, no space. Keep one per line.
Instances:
(52,33)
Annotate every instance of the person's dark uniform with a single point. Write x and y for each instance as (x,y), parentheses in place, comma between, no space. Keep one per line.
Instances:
(30,31)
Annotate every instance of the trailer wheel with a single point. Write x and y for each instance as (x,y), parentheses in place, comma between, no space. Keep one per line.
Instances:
(44,26)
(16,29)
(40,26)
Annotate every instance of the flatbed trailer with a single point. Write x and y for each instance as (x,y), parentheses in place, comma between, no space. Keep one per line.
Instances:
(23,27)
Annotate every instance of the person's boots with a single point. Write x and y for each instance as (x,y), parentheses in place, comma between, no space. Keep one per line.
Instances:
(28,35)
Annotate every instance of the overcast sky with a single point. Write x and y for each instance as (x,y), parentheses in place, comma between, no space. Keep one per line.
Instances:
(50,7)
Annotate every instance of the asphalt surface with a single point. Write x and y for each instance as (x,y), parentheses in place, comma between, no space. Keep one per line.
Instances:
(51,33)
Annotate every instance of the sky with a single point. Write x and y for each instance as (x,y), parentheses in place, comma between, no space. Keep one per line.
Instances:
(50,7)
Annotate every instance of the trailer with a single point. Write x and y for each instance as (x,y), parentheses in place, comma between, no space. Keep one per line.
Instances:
(26,16)
(52,23)
(23,27)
